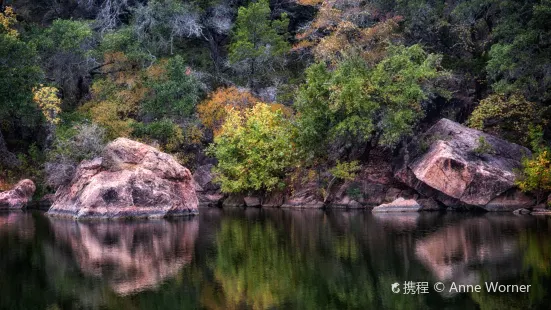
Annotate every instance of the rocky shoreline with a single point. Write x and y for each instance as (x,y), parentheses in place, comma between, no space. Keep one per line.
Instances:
(441,170)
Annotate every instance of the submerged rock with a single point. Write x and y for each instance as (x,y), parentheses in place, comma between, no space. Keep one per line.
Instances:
(131,179)
(19,196)
(461,166)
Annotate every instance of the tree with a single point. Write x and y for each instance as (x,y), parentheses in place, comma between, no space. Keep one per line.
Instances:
(48,101)
(19,73)
(520,56)
(357,105)
(258,43)
(160,22)
(254,150)
(173,93)
(507,116)
(116,97)
(214,110)
(535,176)
(343,170)
(64,49)
(342,29)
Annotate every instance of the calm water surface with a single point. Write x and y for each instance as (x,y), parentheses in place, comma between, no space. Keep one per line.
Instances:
(275,259)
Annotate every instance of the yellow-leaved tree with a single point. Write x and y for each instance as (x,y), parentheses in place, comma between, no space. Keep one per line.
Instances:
(49,102)
(7,22)
(254,149)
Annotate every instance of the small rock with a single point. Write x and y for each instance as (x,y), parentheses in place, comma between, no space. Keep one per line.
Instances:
(19,196)
(521,211)
(399,205)
(355,205)
(304,198)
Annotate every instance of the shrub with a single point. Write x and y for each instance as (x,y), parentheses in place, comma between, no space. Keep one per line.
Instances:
(166,132)
(343,170)
(506,116)
(535,175)
(483,147)
(254,150)
(72,145)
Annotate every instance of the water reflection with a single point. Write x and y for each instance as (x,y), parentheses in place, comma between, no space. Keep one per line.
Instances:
(18,223)
(129,256)
(461,252)
(271,259)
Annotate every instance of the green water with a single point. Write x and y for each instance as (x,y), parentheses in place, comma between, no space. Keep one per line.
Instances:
(273,259)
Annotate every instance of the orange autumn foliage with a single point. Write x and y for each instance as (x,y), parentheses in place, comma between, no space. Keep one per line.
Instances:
(309,2)
(214,110)
(117,96)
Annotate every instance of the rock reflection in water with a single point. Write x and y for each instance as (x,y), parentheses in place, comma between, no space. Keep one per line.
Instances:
(464,251)
(129,256)
(17,222)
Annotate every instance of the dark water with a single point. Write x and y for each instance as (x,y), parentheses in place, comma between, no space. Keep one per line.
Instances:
(277,259)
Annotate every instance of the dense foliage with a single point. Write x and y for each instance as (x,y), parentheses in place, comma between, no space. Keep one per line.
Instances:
(254,149)
(355,104)
(349,76)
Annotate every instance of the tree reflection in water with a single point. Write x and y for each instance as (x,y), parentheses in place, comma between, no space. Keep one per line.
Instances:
(271,259)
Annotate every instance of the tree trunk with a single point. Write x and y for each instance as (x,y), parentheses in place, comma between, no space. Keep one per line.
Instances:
(214,52)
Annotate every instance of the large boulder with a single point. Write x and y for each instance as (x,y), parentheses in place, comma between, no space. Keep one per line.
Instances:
(464,167)
(19,196)
(131,179)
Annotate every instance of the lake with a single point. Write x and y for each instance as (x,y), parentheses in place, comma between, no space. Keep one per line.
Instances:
(276,259)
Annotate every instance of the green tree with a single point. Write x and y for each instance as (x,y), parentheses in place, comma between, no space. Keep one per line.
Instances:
(19,73)
(174,93)
(258,43)
(254,150)
(520,57)
(358,105)
(64,56)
